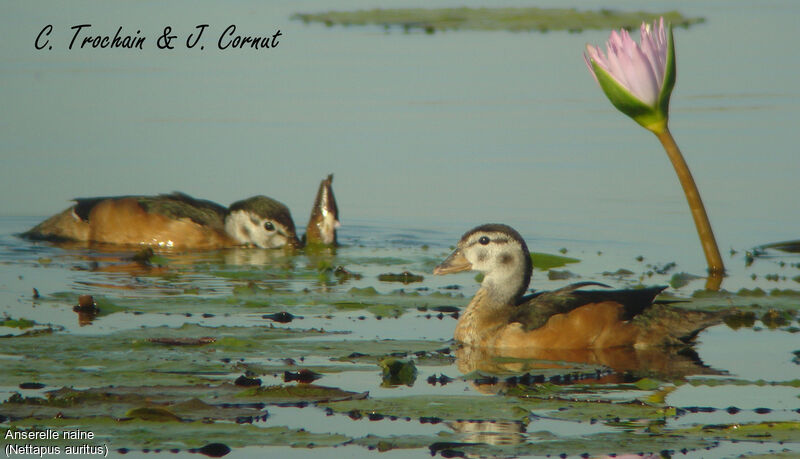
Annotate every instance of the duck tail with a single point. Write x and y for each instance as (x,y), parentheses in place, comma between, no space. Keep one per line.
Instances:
(673,326)
(64,226)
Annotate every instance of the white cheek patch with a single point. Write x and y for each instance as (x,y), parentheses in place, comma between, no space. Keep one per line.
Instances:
(248,229)
(237,225)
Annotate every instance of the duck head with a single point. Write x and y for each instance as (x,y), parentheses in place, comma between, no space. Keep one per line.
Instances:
(324,220)
(500,253)
(262,222)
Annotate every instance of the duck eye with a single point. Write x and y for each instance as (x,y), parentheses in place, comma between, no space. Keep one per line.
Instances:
(484,240)
(269,226)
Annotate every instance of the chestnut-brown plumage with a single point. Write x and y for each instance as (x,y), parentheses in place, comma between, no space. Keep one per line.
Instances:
(181,221)
(501,317)
(171,220)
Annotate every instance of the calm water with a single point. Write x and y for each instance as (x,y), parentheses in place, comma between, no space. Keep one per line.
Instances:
(754,364)
(427,137)
(464,127)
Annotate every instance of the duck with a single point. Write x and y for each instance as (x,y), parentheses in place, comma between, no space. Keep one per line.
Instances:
(177,220)
(502,317)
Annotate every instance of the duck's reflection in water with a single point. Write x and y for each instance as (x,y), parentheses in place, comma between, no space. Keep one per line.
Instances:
(625,362)
(513,367)
(258,257)
(497,433)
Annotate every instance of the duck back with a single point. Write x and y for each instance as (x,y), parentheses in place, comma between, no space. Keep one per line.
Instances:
(536,309)
(173,220)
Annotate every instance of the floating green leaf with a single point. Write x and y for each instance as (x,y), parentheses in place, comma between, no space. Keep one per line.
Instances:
(17,323)
(547,261)
(513,19)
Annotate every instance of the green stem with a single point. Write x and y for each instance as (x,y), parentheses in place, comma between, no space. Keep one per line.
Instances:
(715,267)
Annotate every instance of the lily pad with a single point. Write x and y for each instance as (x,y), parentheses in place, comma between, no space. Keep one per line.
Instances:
(150,403)
(786,246)
(442,407)
(547,261)
(597,445)
(22,324)
(764,431)
(679,280)
(456,408)
(404,277)
(89,361)
(299,393)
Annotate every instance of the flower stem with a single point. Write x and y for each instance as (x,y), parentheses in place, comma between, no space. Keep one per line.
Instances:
(715,267)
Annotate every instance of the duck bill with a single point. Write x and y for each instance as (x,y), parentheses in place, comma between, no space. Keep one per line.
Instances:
(455,263)
(294,243)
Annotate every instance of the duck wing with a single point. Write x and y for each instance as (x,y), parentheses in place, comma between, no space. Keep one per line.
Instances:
(534,310)
(178,206)
(83,206)
(72,224)
(175,206)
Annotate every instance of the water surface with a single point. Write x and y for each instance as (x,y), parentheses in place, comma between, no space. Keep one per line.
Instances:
(428,135)
(742,375)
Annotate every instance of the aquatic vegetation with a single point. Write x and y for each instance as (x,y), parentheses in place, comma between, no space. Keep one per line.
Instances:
(137,434)
(397,372)
(210,353)
(17,323)
(529,19)
(786,246)
(679,280)
(547,261)
(404,277)
(299,393)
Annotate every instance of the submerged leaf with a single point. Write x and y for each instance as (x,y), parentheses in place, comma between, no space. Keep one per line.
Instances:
(404,277)
(397,372)
(152,414)
(183,341)
(300,393)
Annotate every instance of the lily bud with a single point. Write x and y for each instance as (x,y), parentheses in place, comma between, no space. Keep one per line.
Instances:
(637,78)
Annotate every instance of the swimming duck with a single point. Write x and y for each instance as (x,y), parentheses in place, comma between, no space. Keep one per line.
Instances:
(171,220)
(178,220)
(501,317)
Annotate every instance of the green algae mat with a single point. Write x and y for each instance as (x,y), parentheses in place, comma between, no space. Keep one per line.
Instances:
(431,20)
(213,352)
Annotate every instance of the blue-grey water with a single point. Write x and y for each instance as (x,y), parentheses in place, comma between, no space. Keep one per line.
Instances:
(427,135)
(463,127)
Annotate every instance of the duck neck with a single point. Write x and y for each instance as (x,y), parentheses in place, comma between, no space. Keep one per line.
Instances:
(481,320)
(506,287)
(492,307)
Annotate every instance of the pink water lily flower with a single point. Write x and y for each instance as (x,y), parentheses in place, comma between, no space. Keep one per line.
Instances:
(637,77)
